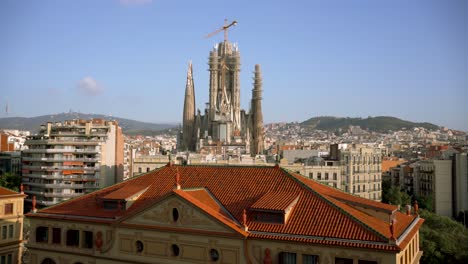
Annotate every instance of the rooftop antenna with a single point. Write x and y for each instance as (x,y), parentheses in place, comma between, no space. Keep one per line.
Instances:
(6,108)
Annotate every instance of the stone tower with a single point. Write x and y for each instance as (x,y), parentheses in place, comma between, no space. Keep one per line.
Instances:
(257,137)
(224,99)
(189,113)
(223,128)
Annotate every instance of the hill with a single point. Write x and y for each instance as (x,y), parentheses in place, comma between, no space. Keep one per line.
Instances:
(375,124)
(129,126)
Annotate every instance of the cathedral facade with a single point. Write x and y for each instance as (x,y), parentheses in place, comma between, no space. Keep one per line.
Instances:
(223,126)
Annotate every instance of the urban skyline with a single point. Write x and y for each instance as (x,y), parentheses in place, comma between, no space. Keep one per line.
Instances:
(128,58)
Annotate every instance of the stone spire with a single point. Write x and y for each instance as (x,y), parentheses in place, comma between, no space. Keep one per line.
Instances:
(189,111)
(257,142)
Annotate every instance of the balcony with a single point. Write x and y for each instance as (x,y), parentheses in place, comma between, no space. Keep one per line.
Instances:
(72,141)
(61,159)
(61,150)
(56,186)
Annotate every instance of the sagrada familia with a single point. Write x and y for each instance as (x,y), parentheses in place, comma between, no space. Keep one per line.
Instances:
(224,126)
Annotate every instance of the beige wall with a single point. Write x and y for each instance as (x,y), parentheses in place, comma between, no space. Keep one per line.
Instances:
(443,187)
(11,245)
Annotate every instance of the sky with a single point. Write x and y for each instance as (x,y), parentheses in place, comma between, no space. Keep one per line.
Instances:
(129,58)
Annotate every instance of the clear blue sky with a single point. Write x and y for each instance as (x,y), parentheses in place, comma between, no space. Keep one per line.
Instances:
(128,58)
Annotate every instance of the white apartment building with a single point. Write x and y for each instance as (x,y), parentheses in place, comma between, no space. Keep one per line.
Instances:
(68,159)
(355,168)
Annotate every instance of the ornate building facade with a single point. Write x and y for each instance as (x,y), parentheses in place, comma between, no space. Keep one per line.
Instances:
(223,126)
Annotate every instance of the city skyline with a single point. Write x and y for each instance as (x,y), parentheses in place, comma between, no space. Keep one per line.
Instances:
(128,58)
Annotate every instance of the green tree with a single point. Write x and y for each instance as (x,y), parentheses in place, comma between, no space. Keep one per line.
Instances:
(10,181)
(442,239)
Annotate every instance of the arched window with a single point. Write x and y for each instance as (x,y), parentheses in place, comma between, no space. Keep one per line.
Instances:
(48,261)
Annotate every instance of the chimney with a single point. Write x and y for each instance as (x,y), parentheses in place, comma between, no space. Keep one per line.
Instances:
(408,209)
(34,204)
(22,188)
(244,220)
(177,180)
(416,207)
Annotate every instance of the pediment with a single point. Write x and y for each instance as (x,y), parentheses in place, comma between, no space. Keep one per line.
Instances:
(189,216)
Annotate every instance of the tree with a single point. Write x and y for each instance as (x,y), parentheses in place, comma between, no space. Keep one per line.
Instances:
(443,240)
(10,181)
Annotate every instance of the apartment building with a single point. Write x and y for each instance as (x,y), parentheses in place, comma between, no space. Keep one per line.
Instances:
(68,159)
(352,168)
(11,226)
(434,178)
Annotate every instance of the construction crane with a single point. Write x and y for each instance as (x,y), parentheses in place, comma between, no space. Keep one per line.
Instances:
(225,28)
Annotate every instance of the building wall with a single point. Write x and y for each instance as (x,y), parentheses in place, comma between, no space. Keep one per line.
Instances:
(70,158)
(11,241)
(443,187)
(326,254)
(461,182)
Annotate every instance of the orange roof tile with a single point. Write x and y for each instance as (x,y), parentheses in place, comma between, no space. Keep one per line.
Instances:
(125,192)
(321,215)
(275,201)
(387,164)
(5,191)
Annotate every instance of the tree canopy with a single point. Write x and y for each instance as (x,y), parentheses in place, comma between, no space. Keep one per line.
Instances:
(10,181)
(443,240)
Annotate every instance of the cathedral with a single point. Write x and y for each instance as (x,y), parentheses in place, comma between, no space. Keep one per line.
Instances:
(223,127)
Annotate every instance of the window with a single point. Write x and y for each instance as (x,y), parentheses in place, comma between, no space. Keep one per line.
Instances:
(147,169)
(42,234)
(366,262)
(214,254)
(56,235)
(311,175)
(8,208)
(139,169)
(310,259)
(87,239)
(10,231)
(326,175)
(6,259)
(73,238)
(175,250)
(343,261)
(175,214)
(139,246)
(287,258)
(334,176)
(4,232)
(319,175)
(363,188)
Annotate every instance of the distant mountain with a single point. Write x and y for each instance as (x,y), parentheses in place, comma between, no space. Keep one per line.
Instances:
(130,127)
(375,124)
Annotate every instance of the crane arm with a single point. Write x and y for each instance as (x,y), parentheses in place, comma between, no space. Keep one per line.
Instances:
(225,28)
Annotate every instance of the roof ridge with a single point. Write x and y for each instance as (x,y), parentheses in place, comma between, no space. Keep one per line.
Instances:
(227,165)
(219,217)
(327,200)
(218,202)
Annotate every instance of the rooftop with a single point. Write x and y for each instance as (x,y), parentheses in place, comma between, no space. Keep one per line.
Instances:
(321,214)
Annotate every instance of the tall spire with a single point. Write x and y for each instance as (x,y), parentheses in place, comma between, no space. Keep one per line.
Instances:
(189,111)
(257,143)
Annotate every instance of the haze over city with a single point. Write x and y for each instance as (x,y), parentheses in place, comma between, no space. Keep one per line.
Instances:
(129,58)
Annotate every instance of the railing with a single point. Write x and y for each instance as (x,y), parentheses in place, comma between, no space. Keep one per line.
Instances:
(60,185)
(57,168)
(93,151)
(61,159)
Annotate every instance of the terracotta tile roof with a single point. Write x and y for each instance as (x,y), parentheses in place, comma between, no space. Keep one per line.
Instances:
(5,191)
(275,201)
(387,164)
(125,192)
(322,214)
